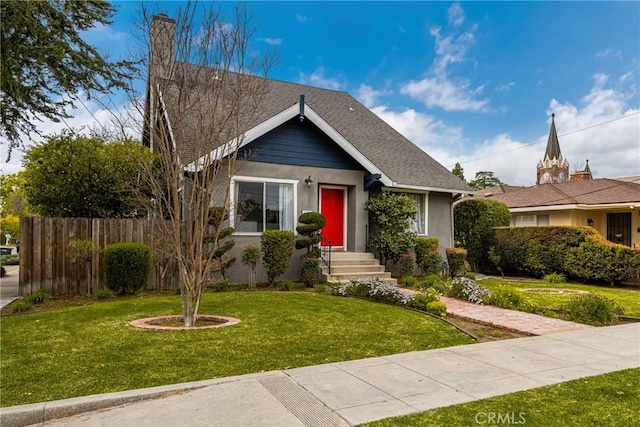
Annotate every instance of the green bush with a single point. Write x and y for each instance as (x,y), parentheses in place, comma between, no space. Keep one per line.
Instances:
(38,297)
(432,281)
(277,247)
(593,310)
(511,298)
(438,308)
(555,278)
(13,259)
(456,258)
(311,223)
(468,290)
(285,285)
(21,306)
(103,294)
(420,300)
(251,257)
(320,288)
(474,221)
(127,267)
(428,259)
(406,264)
(601,261)
(310,271)
(220,285)
(409,281)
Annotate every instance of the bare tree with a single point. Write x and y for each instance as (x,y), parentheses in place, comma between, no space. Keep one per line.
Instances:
(204,91)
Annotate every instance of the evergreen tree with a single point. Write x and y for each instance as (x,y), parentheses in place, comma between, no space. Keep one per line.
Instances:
(458,171)
(485,179)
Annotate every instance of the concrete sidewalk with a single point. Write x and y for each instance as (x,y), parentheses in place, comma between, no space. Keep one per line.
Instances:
(9,285)
(348,393)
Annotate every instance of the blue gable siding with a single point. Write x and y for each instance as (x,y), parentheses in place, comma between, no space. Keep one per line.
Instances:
(300,144)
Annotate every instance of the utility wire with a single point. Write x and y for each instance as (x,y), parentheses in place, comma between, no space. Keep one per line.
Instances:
(543,140)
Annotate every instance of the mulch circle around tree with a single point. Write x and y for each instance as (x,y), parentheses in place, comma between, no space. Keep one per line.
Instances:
(173,323)
(553,291)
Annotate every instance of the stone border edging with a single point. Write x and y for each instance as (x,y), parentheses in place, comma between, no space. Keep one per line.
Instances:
(145,323)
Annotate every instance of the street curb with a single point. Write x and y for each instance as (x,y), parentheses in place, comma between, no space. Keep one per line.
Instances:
(39,413)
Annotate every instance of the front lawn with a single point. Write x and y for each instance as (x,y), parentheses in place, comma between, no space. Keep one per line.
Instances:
(606,400)
(627,298)
(84,350)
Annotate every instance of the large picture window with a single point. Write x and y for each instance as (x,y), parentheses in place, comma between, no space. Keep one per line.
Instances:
(262,204)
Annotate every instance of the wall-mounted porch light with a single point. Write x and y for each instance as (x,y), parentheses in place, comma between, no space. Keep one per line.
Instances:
(308,180)
(590,222)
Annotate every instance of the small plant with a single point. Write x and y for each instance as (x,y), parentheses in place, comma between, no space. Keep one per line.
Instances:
(593,310)
(21,306)
(438,308)
(469,275)
(456,260)
(409,281)
(555,278)
(496,259)
(406,264)
(320,288)
(467,289)
(422,299)
(103,294)
(251,257)
(428,259)
(38,297)
(310,271)
(13,259)
(496,333)
(375,289)
(285,285)
(510,298)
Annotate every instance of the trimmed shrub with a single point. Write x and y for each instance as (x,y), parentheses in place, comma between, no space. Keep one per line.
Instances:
(406,264)
(438,308)
(311,223)
(468,290)
(456,259)
(511,298)
(421,299)
(285,285)
(409,281)
(277,248)
(103,294)
(251,257)
(474,221)
(219,237)
(219,285)
(601,261)
(127,267)
(428,259)
(593,310)
(310,271)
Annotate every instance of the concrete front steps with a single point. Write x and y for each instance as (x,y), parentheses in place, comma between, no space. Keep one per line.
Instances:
(354,265)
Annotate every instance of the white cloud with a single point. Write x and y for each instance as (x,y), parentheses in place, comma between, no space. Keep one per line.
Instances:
(505,87)
(318,79)
(439,88)
(301,19)
(455,14)
(446,93)
(102,32)
(601,128)
(272,42)
(609,53)
(369,96)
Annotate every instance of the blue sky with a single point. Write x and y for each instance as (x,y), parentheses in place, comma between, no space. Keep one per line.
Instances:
(470,82)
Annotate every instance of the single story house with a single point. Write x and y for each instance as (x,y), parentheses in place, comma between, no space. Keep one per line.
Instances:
(610,206)
(305,149)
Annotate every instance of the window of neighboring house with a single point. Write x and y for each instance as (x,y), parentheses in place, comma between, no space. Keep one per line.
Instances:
(530,220)
(261,204)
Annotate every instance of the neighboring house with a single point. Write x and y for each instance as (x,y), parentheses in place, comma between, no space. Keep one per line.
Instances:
(611,206)
(311,149)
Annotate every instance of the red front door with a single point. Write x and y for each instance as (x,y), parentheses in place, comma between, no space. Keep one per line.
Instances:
(332,207)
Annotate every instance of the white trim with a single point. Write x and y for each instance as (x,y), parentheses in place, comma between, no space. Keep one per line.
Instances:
(232,190)
(344,210)
(165,115)
(415,188)
(631,205)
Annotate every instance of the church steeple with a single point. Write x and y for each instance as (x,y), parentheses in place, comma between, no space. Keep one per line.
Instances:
(552,168)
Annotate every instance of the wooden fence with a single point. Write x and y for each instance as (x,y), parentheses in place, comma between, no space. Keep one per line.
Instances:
(47,261)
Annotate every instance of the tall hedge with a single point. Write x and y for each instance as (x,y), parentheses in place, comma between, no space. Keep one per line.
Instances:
(579,252)
(473,224)
(127,266)
(277,248)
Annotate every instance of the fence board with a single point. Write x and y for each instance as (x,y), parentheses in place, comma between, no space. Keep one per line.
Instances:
(47,262)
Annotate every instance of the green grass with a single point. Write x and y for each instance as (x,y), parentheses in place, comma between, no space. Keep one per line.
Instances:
(606,400)
(75,351)
(627,298)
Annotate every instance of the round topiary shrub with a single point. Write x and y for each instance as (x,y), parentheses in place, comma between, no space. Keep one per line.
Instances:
(127,267)
(438,308)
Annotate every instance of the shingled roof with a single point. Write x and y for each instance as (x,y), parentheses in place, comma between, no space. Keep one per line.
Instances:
(404,163)
(592,192)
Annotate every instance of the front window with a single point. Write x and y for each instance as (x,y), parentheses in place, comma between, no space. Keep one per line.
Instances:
(418,224)
(263,204)
(530,220)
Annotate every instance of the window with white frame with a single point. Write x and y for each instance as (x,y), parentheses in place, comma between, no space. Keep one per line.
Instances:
(261,204)
(530,220)
(419,224)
